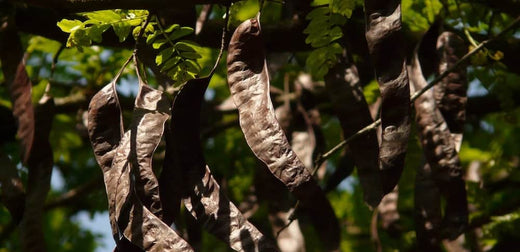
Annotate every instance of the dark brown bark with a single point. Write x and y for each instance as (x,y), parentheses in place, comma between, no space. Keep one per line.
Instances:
(249,84)
(346,95)
(387,50)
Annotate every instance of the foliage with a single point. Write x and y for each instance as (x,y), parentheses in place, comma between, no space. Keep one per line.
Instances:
(176,57)
(323,30)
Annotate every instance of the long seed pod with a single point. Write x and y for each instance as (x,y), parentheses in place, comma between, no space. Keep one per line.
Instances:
(388,211)
(249,84)
(270,190)
(201,192)
(13,68)
(441,154)
(130,220)
(344,90)
(450,92)
(40,162)
(386,48)
(427,213)
(152,109)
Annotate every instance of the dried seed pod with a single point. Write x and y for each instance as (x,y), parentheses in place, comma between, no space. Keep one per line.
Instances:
(427,213)
(450,92)
(132,220)
(249,84)
(20,86)
(118,156)
(40,163)
(152,109)
(441,154)
(200,191)
(342,83)
(386,48)
(388,210)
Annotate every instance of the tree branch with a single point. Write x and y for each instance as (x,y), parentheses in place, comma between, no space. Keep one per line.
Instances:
(74,6)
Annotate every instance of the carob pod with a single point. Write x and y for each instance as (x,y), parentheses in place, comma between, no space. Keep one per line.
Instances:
(39,164)
(427,212)
(386,48)
(134,227)
(272,191)
(19,84)
(35,147)
(440,151)
(346,95)
(450,92)
(201,193)
(249,84)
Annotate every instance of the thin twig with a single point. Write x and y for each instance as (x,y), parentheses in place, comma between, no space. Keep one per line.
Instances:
(222,42)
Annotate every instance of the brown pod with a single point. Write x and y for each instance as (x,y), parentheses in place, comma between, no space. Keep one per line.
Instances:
(450,92)
(249,84)
(342,84)
(441,154)
(200,191)
(427,212)
(386,48)
(20,86)
(134,227)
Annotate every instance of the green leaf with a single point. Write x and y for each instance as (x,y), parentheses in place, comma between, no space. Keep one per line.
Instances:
(171,28)
(104,16)
(122,30)
(69,26)
(184,47)
(317,12)
(190,66)
(135,31)
(157,44)
(190,55)
(343,7)
(170,63)
(152,37)
(179,33)
(95,32)
(164,55)
(78,38)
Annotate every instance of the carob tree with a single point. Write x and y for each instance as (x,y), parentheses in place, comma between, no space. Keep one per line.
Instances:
(144,211)
(249,84)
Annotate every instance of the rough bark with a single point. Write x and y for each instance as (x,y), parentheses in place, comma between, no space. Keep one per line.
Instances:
(387,50)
